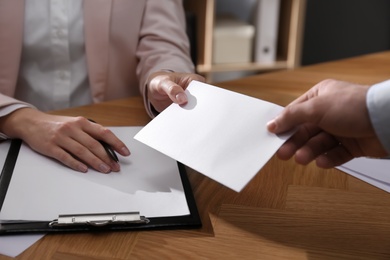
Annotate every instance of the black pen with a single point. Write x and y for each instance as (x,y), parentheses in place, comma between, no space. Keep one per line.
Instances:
(107,147)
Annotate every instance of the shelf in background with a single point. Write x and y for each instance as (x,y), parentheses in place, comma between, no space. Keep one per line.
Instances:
(291,20)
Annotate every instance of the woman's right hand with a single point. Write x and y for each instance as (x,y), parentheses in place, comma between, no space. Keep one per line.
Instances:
(71,140)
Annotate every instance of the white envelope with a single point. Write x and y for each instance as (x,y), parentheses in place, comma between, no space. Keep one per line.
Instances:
(219,133)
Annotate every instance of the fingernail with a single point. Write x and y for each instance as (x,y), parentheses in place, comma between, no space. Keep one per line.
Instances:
(83,168)
(104,168)
(115,167)
(125,151)
(181,98)
(271,126)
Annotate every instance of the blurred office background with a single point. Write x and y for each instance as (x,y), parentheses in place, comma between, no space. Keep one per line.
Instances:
(336,29)
(326,30)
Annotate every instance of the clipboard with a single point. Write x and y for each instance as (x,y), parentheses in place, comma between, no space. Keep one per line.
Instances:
(107,221)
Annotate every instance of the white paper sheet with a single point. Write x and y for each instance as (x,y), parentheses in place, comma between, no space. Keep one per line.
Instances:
(149,182)
(219,133)
(373,171)
(13,246)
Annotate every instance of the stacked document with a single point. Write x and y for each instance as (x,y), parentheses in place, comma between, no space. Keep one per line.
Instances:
(372,171)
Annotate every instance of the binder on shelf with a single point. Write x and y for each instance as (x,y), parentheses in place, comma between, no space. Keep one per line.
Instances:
(266,36)
(165,197)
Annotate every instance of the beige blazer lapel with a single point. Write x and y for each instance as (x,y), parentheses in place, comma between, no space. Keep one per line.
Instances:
(11,40)
(97,14)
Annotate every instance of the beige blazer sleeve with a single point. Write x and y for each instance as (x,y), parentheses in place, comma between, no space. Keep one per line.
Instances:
(163,41)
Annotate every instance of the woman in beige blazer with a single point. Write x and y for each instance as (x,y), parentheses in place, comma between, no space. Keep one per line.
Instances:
(132,47)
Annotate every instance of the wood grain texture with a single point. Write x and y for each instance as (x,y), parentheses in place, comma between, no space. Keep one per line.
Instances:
(287,211)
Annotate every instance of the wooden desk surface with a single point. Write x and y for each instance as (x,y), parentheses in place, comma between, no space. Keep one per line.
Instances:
(286,212)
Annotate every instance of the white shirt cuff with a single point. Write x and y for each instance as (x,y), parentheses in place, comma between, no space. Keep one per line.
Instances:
(378,104)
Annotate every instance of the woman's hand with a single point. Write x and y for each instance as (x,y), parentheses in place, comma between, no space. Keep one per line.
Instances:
(70,140)
(165,87)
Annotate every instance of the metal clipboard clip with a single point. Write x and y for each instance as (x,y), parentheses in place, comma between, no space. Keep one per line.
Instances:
(99,220)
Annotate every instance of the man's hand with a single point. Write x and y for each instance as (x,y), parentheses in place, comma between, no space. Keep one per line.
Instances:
(332,123)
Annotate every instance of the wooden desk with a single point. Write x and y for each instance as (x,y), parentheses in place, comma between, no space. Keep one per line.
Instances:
(286,212)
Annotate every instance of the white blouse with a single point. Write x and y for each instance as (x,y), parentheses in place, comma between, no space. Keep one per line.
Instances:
(53,73)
